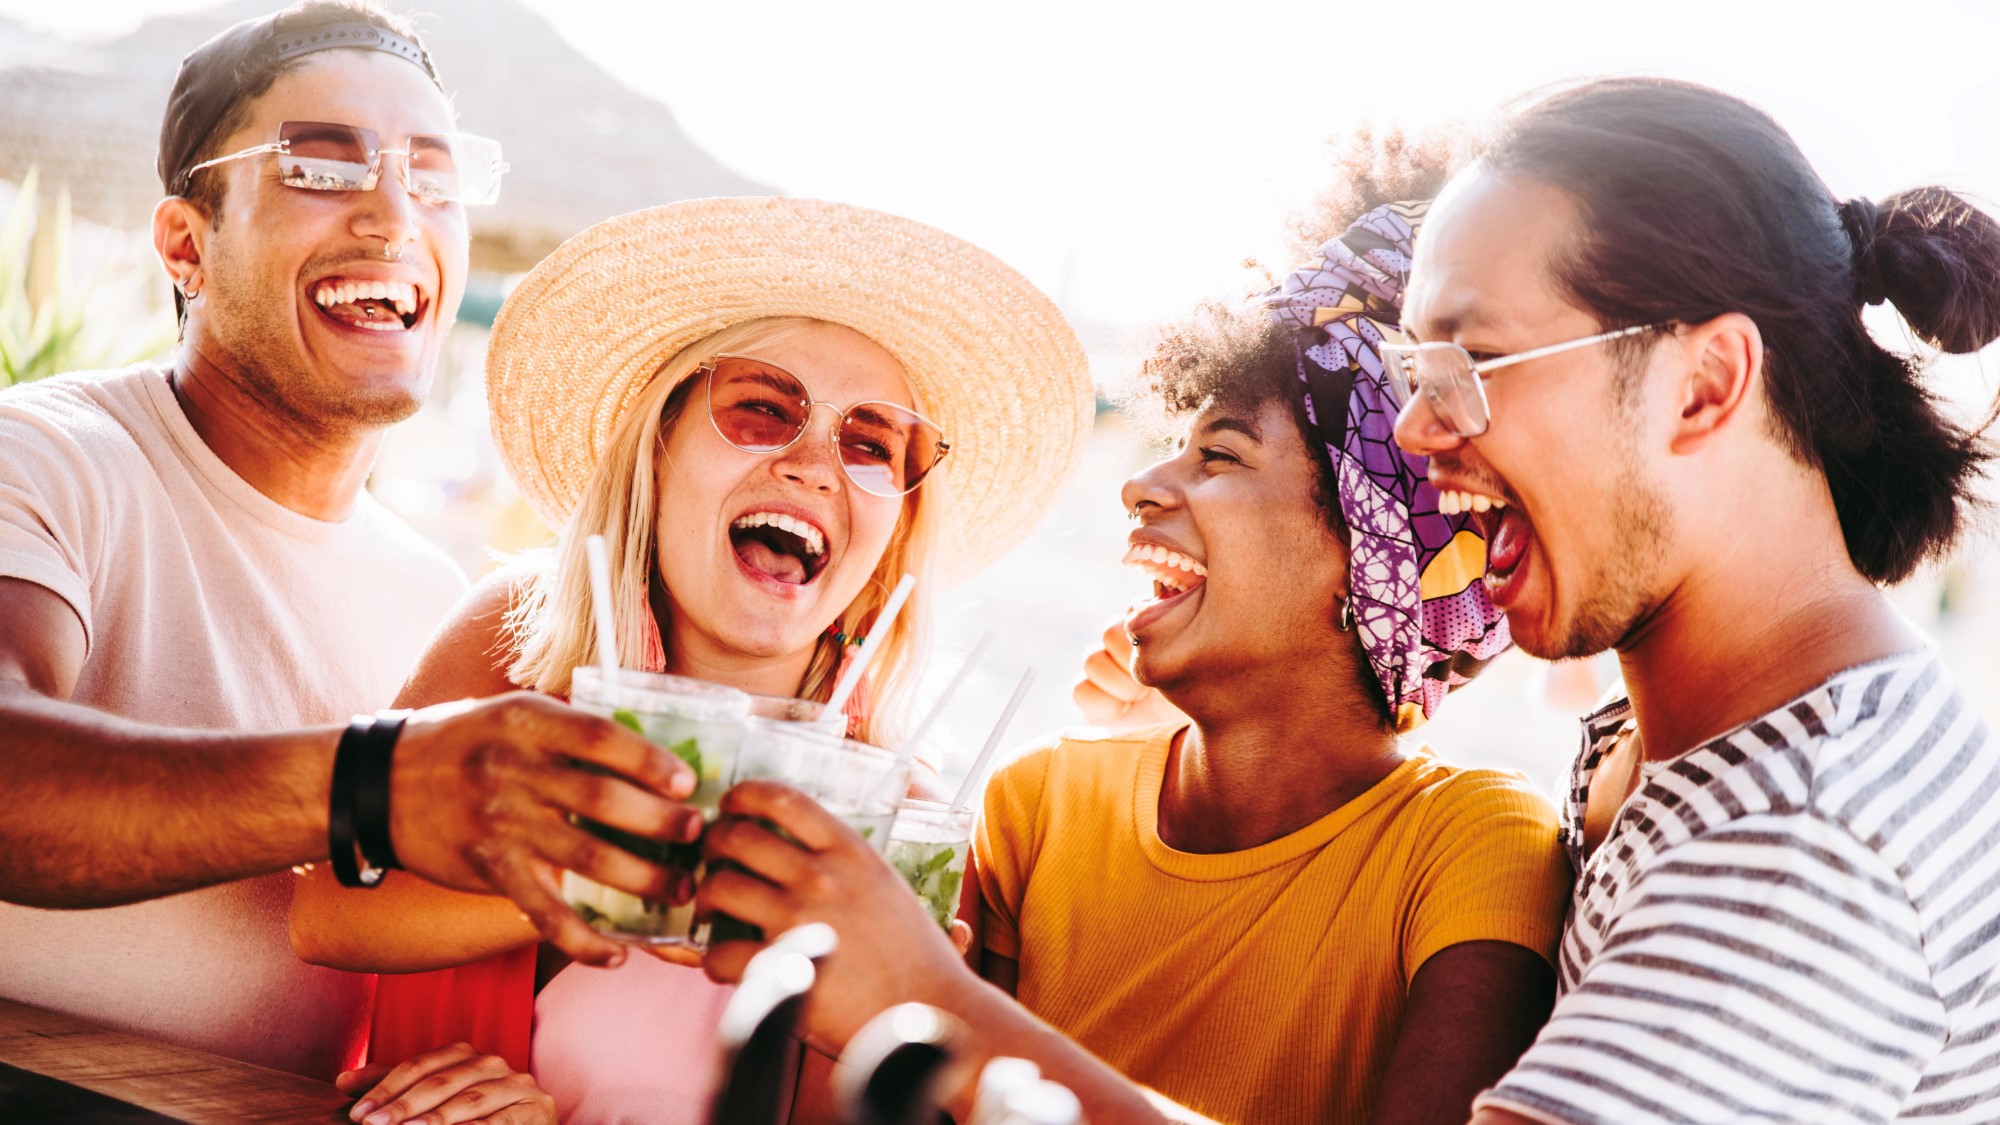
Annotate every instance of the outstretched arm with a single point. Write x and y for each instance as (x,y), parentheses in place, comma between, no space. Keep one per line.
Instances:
(406,924)
(101,811)
(891,951)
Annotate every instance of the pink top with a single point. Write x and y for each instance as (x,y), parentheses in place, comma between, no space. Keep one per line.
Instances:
(634,1045)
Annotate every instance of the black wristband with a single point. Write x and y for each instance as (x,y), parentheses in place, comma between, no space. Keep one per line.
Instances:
(340,842)
(371,790)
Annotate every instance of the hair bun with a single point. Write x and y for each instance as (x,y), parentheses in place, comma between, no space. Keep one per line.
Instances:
(1862,220)
(1936,257)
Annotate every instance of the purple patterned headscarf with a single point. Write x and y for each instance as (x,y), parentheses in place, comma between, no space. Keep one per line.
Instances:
(1419,605)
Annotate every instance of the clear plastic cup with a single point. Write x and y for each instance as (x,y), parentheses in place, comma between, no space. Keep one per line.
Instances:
(929,846)
(862,785)
(807,712)
(702,724)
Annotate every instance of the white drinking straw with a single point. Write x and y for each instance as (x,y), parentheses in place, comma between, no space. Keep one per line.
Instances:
(944,697)
(600,601)
(909,750)
(851,679)
(971,785)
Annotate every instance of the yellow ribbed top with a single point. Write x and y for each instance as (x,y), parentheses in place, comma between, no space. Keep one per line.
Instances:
(1264,985)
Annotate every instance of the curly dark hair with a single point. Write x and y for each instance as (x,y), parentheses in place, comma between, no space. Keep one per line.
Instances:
(1231,355)
(1376,166)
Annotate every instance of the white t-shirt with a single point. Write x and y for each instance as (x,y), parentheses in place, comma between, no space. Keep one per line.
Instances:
(206,605)
(1794,922)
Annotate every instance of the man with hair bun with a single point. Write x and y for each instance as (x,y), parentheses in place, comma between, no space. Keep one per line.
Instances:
(197,594)
(1636,355)
(1637,347)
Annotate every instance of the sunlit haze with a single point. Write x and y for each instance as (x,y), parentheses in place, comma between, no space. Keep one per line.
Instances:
(1128,156)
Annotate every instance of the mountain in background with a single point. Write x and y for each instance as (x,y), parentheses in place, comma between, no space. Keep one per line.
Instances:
(582,146)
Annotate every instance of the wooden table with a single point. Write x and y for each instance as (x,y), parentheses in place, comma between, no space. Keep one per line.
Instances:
(141,1079)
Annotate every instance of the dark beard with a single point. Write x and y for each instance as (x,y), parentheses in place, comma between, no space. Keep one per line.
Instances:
(257,354)
(1620,592)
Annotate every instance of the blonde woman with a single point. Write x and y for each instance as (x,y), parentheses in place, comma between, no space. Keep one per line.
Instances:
(771,409)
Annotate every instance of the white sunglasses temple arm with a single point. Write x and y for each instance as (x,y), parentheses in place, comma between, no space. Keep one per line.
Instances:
(274,146)
(1557,349)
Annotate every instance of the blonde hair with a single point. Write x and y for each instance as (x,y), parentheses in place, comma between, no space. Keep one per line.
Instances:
(552,629)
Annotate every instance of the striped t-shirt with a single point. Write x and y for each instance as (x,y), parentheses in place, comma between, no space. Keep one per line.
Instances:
(1798,922)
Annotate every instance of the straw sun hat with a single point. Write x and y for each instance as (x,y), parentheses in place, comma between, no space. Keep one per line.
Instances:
(989,357)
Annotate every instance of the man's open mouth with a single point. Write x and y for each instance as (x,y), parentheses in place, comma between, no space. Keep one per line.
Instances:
(378,306)
(782,547)
(1508,535)
(1507,530)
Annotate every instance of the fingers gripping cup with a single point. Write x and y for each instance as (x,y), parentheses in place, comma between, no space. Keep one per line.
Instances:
(699,723)
(929,846)
(860,784)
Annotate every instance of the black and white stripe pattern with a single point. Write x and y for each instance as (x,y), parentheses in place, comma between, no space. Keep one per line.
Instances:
(1797,922)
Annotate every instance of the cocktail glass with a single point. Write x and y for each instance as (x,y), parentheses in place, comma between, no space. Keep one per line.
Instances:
(929,846)
(700,723)
(807,712)
(860,784)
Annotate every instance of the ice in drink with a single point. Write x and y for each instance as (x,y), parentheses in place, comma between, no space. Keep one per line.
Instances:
(860,784)
(699,723)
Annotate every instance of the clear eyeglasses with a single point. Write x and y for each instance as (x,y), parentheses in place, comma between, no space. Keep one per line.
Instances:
(1451,382)
(324,156)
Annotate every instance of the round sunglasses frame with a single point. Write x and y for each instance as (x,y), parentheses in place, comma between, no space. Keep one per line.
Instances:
(706,369)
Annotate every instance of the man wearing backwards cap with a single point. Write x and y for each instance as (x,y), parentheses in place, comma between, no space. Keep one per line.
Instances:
(190,549)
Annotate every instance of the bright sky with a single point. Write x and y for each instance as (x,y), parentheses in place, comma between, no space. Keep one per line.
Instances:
(1128,155)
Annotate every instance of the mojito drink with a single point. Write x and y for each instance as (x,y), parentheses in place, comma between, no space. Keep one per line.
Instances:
(702,725)
(862,785)
(930,846)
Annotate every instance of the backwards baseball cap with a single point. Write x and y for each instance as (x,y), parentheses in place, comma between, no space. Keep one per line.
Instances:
(241,63)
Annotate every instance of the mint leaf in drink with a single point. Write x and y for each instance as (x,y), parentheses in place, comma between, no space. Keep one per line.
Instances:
(945,902)
(626,719)
(688,750)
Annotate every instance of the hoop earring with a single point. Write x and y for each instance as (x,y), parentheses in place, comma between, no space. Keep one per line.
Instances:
(1344,620)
